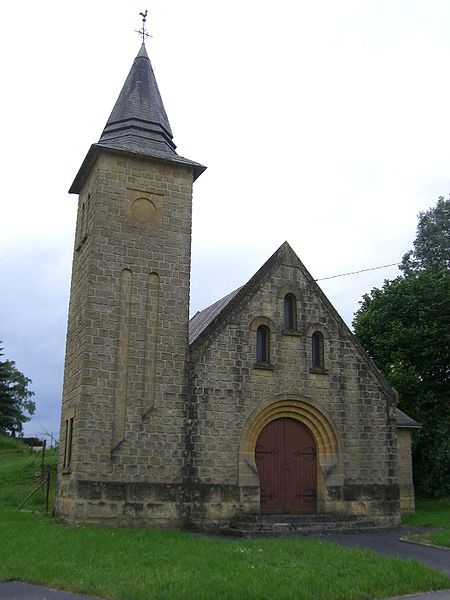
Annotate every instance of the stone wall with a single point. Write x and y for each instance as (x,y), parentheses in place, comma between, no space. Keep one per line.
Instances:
(347,405)
(126,357)
(405,474)
(160,436)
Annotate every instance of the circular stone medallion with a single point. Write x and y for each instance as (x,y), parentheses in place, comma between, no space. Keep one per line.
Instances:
(143,210)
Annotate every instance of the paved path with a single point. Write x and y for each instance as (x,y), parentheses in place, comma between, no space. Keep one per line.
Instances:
(442,595)
(388,542)
(16,590)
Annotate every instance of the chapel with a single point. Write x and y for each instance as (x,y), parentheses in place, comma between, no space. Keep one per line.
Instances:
(262,406)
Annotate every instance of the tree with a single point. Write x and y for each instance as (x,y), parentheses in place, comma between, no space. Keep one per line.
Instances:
(405,327)
(15,398)
(432,243)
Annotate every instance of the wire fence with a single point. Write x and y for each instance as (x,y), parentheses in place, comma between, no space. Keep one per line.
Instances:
(36,440)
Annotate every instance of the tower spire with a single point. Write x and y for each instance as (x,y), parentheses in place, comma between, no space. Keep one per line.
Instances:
(138,121)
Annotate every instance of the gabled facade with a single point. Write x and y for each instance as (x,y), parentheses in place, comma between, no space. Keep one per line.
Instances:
(311,374)
(264,403)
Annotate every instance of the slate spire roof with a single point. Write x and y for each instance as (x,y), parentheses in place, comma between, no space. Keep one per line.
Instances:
(138,120)
(138,123)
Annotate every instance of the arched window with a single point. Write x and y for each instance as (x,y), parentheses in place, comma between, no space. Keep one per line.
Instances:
(317,350)
(290,312)
(263,344)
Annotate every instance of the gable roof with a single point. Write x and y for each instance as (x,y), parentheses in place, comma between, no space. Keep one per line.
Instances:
(204,324)
(203,318)
(206,320)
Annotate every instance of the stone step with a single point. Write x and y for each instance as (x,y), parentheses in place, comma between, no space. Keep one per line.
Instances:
(306,518)
(305,531)
(299,526)
(293,525)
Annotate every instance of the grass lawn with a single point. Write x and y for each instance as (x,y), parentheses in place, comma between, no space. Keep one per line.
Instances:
(138,564)
(431,513)
(20,473)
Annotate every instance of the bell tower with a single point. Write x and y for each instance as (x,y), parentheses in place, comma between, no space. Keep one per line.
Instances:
(124,418)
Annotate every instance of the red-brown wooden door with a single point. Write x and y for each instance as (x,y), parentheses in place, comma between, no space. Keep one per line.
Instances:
(286,459)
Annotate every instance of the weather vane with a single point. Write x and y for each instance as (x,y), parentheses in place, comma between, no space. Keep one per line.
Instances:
(142,31)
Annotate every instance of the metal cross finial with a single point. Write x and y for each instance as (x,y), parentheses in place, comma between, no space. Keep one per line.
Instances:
(143,32)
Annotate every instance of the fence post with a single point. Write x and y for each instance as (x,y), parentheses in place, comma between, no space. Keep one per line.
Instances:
(42,459)
(47,494)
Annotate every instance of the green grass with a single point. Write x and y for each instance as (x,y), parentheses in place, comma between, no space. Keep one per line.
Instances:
(439,538)
(144,564)
(431,513)
(20,473)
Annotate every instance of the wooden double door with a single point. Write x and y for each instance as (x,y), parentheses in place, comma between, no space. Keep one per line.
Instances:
(286,459)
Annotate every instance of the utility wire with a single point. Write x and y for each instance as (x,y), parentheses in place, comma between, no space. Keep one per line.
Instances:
(355,272)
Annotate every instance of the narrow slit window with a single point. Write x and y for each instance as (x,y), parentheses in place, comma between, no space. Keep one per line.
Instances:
(82,232)
(262,344)
(290,313)
(317,350)
(83,219)
(68,443)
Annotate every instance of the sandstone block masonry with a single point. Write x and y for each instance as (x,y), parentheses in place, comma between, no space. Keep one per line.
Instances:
(124,415)
(346,404)
(407,501)
(271,392)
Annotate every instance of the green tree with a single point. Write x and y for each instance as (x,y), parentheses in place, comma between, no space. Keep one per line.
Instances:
(15,398)
(432,243)
(405,327)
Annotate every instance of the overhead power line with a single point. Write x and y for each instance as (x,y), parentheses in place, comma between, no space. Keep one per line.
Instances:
(360,271)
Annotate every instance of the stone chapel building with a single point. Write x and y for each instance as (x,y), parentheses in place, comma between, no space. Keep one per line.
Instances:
(262,404)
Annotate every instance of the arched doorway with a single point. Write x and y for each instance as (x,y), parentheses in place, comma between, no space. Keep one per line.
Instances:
(286,459)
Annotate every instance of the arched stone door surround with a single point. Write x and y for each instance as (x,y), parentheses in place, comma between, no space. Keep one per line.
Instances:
(315,418)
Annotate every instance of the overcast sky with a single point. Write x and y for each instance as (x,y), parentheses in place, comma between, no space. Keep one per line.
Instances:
(325,124)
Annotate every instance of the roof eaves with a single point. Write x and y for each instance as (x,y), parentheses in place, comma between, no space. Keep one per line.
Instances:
(95,149)
(404,421)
